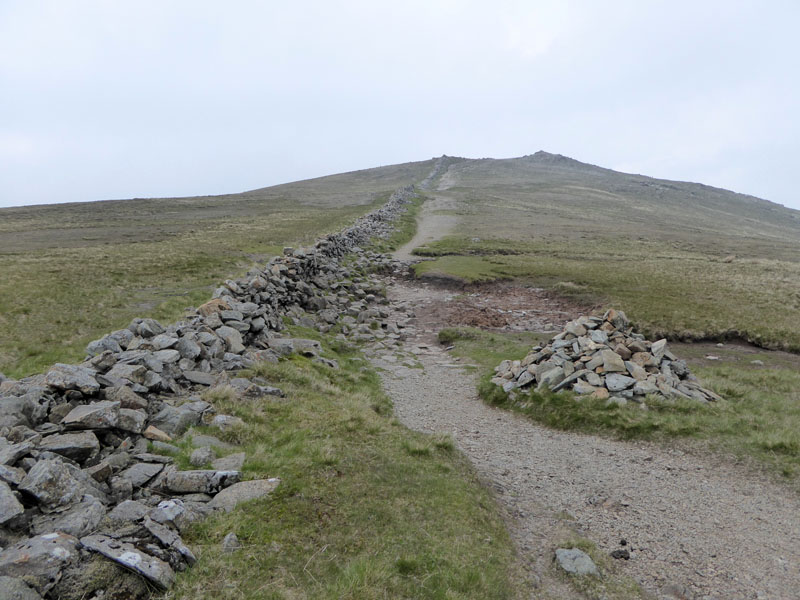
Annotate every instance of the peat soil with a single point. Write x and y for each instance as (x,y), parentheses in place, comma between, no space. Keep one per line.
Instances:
(696,525)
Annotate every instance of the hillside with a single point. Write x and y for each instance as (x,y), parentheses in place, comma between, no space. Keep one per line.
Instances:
(683,259)
(73,271)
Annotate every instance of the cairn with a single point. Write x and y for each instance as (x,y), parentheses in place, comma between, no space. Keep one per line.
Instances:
(602,357)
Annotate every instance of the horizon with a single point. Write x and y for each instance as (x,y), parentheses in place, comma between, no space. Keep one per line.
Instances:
(120,100)
(177,197)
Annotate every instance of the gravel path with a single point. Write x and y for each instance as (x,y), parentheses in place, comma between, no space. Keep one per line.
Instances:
(696,526)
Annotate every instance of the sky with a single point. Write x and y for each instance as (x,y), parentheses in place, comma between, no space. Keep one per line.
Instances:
(147,98)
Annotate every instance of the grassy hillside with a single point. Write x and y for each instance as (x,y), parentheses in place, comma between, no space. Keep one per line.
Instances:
(71,272)
(682,259)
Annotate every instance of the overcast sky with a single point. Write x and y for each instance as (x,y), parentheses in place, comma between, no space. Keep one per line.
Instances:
(146,98)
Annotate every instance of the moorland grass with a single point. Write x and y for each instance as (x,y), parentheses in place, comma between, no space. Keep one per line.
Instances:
(366,508)
(759,415)
(54,301)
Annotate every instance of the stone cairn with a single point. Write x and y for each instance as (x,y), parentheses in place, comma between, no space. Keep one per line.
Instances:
(78,475)
(602,357)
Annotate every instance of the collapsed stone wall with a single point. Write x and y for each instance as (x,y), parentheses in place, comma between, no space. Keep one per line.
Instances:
(77,477)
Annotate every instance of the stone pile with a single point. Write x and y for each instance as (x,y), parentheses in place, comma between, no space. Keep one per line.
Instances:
(602,357)
(77,477)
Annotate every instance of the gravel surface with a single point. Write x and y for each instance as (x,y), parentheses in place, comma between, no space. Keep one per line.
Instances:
(696,526)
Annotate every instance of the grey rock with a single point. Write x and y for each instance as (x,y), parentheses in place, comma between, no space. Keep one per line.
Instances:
(40,560)
(128,511)
(658,349)
(612,362)
(169,539)
(616,382)
(148,328)
(203,481)
(122,374)
(551,378)
(165,447)
(231,543)
(75,446)
(52,483)
(131,420)
(10,507)
(200,378)
(286,346)
(11,453)
(232,339)
(97,415)
(188,348)
(226,422)
(140,473)
(576,562)
(11,475)
(167,357)
(202,456)
(13,588)
(106,343)
(243,491)
(153,569)
(72,377)
(200,439)
(80,519)
(174,420)
(232,462)
(126,397)
(163,341)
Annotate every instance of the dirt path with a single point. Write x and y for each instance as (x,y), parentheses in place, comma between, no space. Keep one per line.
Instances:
(696,527)
(430,225)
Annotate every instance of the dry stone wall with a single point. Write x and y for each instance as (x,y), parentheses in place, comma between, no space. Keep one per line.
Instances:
(78,480)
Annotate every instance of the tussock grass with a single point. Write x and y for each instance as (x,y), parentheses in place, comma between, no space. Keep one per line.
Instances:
(759,416)
(366,508)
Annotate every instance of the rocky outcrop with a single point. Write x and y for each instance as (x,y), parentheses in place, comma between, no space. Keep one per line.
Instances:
(78,478)
(602,357)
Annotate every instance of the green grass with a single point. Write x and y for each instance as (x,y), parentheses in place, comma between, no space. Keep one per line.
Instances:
(366,508)
(758,418)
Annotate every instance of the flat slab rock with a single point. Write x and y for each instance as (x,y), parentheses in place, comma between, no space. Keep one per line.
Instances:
(243,491)
(153,569)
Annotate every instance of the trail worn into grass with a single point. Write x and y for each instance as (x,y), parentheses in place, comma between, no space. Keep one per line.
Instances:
(431,225)
(696,526)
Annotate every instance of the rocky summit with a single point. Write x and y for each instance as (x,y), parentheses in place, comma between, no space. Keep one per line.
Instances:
(80,479)
(602,357)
